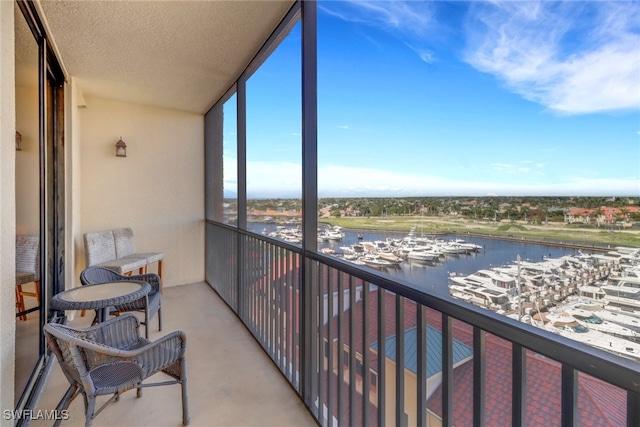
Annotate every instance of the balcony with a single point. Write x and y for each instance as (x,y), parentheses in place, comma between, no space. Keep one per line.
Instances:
(469,366)
(231,381)
(369,348)
(351,347)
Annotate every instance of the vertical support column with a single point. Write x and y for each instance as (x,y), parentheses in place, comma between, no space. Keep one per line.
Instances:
(633,409)
(46,274)
(309,127)
(421,383)
(242,152)
(519,382)
(241,125)
(382,356)
(447,370)
(353,395)
(329,279)
(340,356)
(309,289)
(400,413)
(214,158)
(479,369)
(569,395)
(366,374)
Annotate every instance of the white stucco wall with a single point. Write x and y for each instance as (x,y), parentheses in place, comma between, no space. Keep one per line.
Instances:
(157,190)
(7,208)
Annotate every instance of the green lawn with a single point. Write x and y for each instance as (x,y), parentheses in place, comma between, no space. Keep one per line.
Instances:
(552,231)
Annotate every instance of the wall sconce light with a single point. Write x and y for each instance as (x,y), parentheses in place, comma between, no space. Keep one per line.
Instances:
(121,148)
(18,141)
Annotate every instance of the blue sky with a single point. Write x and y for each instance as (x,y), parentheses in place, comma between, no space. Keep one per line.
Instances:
(456,99)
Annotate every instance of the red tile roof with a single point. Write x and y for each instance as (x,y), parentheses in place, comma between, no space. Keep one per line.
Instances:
(599,403)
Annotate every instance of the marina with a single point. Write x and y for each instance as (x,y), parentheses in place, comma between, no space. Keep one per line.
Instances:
(589,297)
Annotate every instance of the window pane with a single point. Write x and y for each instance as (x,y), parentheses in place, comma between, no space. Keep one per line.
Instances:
(477,98)
(222,162)
(480,118)
(274,133)
(230,161)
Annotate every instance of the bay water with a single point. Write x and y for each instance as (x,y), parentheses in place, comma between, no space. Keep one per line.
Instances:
(435,276)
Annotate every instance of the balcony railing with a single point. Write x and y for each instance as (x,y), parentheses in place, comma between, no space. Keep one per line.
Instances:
(363,349)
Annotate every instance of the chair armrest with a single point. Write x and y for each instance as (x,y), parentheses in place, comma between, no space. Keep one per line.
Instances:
(151,357)
(161,353)
(151,278)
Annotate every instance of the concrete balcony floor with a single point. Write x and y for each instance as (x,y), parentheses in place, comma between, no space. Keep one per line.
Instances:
(231,382)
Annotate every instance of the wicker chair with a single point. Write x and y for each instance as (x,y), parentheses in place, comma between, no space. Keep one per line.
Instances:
(95,275)
(111,358)
(27,271)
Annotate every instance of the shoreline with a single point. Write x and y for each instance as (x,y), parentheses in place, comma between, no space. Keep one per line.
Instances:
(600,247)
(548,234)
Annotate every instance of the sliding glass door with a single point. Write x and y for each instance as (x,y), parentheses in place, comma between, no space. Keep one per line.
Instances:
(39,194)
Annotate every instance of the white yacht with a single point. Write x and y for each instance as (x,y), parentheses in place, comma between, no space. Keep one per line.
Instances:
(422,254)
(569,327)
(600,309)
(496,280)
(623,293)
(470,246)
(481,296)
(374,261)
(593,321)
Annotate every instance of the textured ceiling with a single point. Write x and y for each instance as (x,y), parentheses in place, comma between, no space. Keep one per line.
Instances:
(176,54)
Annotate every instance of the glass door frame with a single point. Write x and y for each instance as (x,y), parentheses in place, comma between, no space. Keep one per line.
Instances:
(51,194)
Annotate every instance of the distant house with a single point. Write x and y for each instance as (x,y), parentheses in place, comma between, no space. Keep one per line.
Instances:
(580,215)
(599,403)
(602,216)
(503,207)
(462,354)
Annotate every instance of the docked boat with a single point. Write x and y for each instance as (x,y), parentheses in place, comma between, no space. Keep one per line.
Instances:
(374,261)
(459,293)
(593,321)
(622,294)
(333,233)
(484,297)
(472,247)
(422,254)
(495,279)
(600,309)
(391,257)
(567,326)
(349,253)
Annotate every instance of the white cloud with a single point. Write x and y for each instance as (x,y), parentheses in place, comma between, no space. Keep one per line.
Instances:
(401,16)
(267,180)
(343,126)
(359,182)
(427,56)
(406,20)
(532,47)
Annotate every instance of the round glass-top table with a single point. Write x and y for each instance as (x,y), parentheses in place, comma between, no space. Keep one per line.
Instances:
(101,296)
